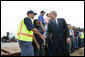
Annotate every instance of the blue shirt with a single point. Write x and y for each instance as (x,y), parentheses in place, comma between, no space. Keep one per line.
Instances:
(40,17)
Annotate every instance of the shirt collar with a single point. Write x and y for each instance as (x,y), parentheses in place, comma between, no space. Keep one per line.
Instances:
(56,19)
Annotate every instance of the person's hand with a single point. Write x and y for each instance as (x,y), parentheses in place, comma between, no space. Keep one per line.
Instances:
(43,37)
(50,36)
(38,46)
(68,40)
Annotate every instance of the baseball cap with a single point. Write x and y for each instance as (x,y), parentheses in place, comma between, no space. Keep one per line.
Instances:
(30,11)
(42,12)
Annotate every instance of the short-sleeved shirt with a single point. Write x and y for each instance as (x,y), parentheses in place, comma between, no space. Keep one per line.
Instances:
(40,17)
(28,23)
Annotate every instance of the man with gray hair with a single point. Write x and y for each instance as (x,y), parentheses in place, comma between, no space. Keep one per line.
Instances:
(60,35)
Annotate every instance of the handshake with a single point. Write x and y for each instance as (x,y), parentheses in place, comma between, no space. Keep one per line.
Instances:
(43,37)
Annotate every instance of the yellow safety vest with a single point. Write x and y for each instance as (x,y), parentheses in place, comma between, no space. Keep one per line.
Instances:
(82,35)
(23,33)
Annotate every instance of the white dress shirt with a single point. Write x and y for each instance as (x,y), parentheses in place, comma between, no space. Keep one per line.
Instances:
(56,21)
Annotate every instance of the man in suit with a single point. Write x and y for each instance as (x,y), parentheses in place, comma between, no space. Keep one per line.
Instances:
(60,35)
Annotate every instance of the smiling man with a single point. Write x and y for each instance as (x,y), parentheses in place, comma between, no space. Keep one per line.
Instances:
(60,35)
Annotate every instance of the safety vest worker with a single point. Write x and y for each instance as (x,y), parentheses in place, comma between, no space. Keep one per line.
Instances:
(23,33)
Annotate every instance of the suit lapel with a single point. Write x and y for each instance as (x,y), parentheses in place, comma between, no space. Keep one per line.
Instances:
(58,24)
(54,25)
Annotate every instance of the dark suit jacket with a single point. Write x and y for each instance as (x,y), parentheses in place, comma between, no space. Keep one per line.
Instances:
(59,36)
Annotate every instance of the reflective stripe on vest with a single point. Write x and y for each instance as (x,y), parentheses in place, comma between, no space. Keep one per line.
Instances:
(20,29)
(23,33)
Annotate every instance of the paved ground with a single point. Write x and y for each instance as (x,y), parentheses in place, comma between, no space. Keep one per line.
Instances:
(14,48)
(9,44)
(79,52)
(9,48)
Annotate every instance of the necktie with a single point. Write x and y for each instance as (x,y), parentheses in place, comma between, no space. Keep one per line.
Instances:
(55,23)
